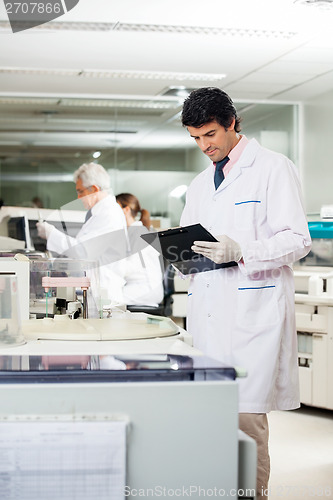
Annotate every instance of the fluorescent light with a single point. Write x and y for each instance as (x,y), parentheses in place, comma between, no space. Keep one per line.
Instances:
(10,143)
(320,4)
(152,75)
(68,26)
(234,32)
(122,74)
(179,191)
(36,177)
(204,30)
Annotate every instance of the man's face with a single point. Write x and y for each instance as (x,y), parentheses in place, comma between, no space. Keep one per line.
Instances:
(214,140)
(85,194)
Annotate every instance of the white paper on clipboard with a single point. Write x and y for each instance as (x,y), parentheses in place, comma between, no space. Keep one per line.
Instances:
(62,460)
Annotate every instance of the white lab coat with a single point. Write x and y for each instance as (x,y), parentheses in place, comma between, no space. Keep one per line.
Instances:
(244,315)
(141,270)
(102,239)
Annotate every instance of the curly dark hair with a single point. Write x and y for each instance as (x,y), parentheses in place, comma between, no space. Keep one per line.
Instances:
(209,104)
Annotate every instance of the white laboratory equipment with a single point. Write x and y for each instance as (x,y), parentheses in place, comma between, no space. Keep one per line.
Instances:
(19,223)
(10,319)
(64,286)
(10,266)
(173,421)
(172,414)
(314,317)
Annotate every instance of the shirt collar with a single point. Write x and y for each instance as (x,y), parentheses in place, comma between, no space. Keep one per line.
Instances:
(236,152)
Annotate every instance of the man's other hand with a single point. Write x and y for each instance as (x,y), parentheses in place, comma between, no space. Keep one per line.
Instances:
(222,251)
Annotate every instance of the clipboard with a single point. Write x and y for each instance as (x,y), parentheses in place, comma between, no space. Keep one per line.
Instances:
(175,246)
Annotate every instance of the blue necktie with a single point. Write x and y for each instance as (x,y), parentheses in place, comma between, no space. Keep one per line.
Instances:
(219,176)
(88,215)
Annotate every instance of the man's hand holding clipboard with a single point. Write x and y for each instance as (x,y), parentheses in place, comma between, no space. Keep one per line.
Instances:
(176,247)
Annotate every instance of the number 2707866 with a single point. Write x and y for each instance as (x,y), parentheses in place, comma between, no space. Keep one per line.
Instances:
(33,8)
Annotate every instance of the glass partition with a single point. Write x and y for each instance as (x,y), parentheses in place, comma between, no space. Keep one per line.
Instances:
(140,140)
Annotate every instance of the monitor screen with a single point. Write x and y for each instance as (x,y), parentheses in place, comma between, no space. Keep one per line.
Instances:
(70,228)
(18,229)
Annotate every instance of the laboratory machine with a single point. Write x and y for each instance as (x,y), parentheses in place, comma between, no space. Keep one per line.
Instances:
(314,317)
(18,229)
(123,426)
(103,403)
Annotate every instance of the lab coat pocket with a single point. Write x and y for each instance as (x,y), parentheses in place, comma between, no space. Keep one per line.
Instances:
(246,212)
(257,305)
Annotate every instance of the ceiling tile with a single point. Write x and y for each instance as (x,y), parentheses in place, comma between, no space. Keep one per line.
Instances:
(292,68)
(315,55)
(281,78)
(308,90)
(257,86)
(257,68)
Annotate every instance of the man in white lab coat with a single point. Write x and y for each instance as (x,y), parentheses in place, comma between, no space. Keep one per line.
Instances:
(249,199)
(103,236)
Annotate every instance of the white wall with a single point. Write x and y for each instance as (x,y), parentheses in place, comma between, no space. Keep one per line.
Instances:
(317,151)
(196,160)
(276,130)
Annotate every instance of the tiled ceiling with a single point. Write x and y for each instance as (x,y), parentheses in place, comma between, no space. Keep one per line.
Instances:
(96,77)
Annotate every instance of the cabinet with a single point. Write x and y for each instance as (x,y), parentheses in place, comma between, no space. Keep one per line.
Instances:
(314,323)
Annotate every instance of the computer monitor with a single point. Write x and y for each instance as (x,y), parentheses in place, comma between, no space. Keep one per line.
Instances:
(68,227)
(18,228)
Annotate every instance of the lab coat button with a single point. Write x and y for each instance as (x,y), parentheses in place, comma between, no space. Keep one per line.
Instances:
(209,315)
(207,285)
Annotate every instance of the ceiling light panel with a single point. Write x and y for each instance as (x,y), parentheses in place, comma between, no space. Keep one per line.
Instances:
(27,101)
(130,103)
(319,4)
(38,71)
(123,104)
(8,120)
(204,30)
(162,28)
(154,75)
(125,75)
(66,26)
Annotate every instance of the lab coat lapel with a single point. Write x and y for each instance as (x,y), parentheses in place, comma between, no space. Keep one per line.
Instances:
(233,174)
(245,161)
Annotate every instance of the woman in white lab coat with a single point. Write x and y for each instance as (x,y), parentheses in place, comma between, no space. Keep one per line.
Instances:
(141,270)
